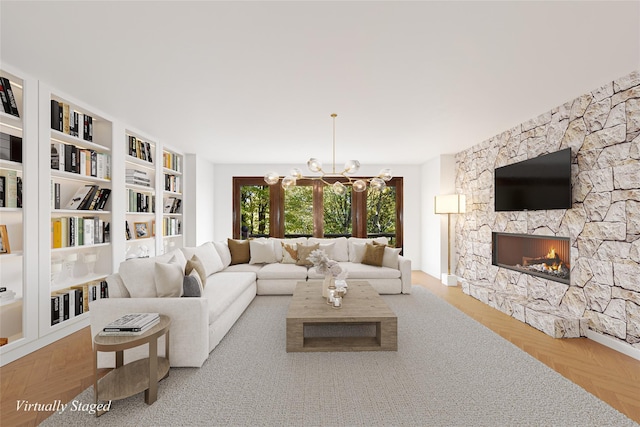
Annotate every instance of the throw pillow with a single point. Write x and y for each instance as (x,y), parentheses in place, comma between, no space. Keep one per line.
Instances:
(356,253)
(208,255)
(169,278)
(240,251)
(373,255)
(390,258)
(191,285)
(303,254)
(289,253)
(328,249)
(223,251)
(261,252)
(194,264)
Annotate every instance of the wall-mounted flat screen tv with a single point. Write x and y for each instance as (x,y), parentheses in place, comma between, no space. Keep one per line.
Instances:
(540,183)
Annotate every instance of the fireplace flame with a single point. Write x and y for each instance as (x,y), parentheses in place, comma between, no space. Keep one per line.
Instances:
(552,253)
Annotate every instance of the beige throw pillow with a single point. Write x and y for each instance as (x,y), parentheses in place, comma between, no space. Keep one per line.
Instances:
(194,264)
(303,253)
(261,252)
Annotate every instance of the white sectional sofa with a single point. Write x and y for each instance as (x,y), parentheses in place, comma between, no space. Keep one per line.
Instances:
(199,323)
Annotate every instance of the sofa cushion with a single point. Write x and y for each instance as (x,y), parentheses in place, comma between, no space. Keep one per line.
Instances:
(303,254)
(138,274)
(195,264)
(243,268)
(283,271)
(169,278)
(240,251)
(340,249)
(373,255)
(357,271)
(360,240)
(208,255)
(223,252)
(262,251)
(223,289)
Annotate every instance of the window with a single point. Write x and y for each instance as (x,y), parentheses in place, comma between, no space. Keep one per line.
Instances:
(312,209)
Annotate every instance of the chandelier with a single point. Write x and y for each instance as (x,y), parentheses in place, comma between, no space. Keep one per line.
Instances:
(339,180)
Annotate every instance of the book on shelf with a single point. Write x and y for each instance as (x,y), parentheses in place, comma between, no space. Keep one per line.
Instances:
(132,322)
(9,189)
(71,122)
(8,97)
(80,196)
(78,231)
(89,197)
(10,147)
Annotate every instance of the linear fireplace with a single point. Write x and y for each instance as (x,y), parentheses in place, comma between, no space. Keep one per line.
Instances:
(543,256)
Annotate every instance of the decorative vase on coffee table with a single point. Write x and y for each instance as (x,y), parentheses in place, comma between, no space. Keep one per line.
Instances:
(328,281)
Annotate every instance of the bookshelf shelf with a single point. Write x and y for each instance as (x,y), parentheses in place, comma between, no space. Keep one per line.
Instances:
(76,212)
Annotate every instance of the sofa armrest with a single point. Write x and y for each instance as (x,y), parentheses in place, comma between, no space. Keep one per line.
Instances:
(189,332)
(404,265)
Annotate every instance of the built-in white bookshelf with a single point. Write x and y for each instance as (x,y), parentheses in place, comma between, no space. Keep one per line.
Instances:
(18,213)
(172,199)
(140,195)
(39,263)
(76,143)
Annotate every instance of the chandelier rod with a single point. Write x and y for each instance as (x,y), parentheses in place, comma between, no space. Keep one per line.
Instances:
(334,115)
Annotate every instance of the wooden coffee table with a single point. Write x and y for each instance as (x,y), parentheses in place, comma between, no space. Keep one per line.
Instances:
(361,306)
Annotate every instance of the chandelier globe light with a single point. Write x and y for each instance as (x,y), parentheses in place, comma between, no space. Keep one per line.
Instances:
(340,180)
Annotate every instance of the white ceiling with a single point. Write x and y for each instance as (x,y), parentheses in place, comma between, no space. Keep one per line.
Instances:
(256,82)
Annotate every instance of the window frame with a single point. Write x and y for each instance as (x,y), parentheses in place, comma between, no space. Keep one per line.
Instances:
(276,207)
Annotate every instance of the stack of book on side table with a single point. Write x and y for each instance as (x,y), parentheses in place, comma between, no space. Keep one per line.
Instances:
(131,324)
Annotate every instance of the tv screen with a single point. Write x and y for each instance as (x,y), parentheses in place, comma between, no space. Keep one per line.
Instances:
(540,183)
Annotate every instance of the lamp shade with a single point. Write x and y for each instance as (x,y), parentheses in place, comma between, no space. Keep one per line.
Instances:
(452,203)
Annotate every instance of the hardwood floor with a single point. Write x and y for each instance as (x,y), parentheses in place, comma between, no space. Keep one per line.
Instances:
(63,369)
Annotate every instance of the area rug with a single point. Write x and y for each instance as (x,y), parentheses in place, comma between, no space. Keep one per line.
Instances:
(449,370)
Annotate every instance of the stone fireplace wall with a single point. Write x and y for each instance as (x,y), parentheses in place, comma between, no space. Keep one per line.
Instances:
(602,128)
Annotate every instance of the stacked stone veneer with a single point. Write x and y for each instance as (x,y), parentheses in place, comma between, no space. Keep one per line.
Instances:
(603,130)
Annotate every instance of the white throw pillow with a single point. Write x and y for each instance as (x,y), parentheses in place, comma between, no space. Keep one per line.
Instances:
(328,249)
(358,250)
(138,277)
(340,250)
(223,252)
(169,278)
(208,254)
(262,252)
(390,258)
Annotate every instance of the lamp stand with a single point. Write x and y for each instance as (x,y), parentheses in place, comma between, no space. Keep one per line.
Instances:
(448,278)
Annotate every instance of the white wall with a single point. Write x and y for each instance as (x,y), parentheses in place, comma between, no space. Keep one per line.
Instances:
(437,177)
(223,216)
(200,201)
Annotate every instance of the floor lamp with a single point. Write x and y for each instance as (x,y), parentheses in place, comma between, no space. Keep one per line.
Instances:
(449,204)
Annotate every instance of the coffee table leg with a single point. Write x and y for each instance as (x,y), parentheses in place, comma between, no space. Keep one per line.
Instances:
(295,335)
(151,394)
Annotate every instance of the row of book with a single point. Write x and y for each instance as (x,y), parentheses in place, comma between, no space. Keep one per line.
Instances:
(79,231)
(67,120)
(171,226)
(137,177)
(171,205)
(10,147)
(69,158)
(140,149)
(140,202)
(86,198)
(8,98)
(69,303)
(131,324)
(173,183)
(10,189)
(172,161)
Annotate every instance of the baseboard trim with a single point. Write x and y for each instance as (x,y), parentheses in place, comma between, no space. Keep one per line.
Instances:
(614,344)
